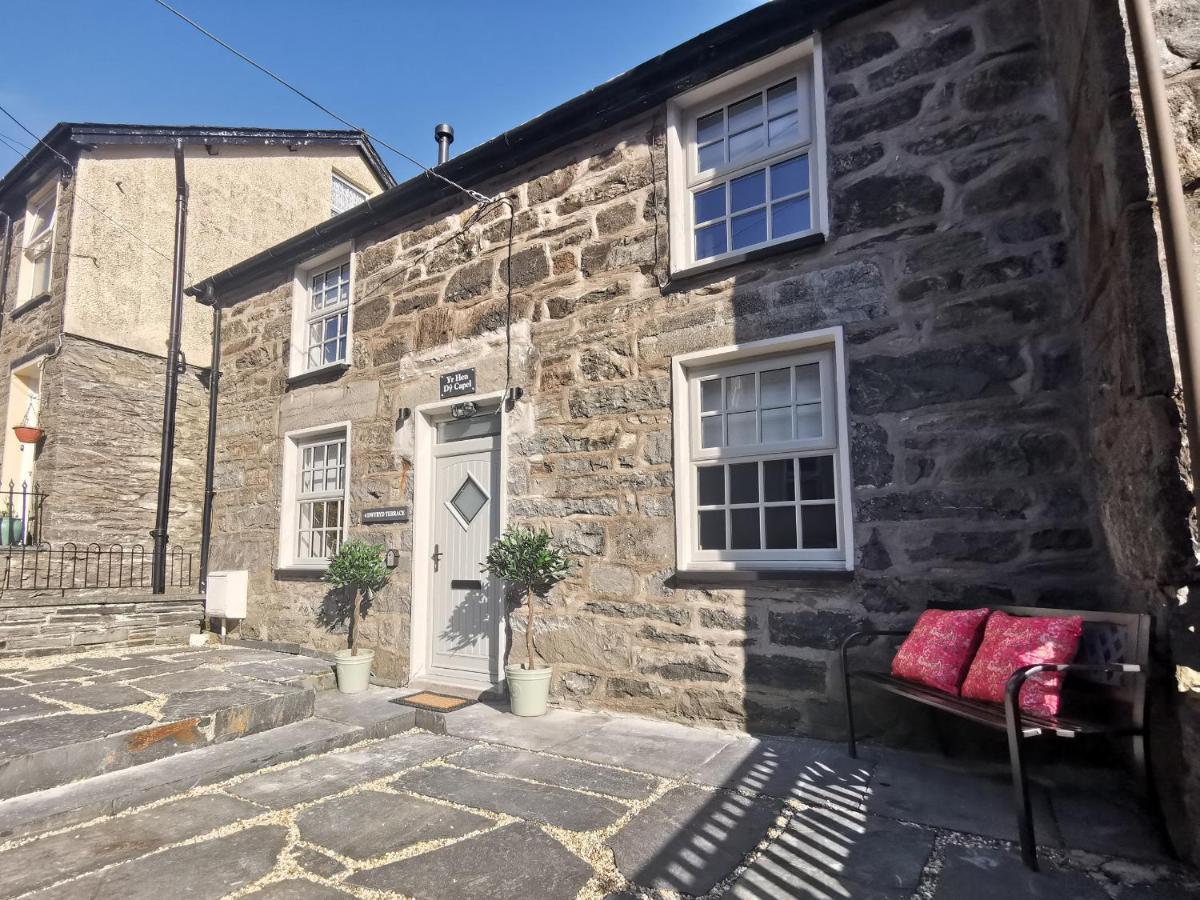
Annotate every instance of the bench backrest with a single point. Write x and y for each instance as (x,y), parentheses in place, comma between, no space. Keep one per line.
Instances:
(1108,637)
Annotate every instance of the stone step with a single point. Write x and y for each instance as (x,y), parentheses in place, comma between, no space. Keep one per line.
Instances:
(338,720)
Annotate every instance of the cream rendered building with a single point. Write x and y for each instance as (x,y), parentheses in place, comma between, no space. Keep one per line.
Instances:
(87,229)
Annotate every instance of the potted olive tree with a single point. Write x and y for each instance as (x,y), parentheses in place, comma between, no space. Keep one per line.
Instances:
(530,563)
(357,568)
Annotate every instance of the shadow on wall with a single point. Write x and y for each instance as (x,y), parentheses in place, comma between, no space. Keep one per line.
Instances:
(336,610)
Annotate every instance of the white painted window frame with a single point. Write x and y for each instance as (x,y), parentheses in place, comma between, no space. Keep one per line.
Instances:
(335,177)
(804,59)
(29,241)
(301,302)
(289,504)
(686,371)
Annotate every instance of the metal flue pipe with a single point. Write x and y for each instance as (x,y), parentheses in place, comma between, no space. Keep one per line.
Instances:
(444,135)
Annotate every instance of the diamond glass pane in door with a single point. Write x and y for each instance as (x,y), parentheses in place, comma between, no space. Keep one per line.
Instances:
(468,500)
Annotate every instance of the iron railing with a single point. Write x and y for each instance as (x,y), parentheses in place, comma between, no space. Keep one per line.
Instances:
(21,514)
(41,567)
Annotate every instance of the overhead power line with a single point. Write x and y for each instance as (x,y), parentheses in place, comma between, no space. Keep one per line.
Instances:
(474,195)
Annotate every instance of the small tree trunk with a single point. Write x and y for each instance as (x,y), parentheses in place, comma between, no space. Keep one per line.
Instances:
(529,628)
(354,617)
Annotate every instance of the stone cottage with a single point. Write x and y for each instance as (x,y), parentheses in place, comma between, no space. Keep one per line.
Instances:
(834,310)
(88,221)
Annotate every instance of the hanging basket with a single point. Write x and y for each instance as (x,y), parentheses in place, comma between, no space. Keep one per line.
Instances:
(28,434)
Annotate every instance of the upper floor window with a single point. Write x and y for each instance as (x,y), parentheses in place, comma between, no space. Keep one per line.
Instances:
(344,196)
(761,473)
(745,160)
(321,313)
(38,243)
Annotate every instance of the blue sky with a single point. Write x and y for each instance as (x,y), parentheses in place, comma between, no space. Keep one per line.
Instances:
(396,68)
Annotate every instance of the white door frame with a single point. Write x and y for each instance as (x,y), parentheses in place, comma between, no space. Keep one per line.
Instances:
(425,419)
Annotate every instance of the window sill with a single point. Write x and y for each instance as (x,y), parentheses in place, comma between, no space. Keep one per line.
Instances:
(308,571)
(29,305)
(331,372)
(800,243)
(835,573)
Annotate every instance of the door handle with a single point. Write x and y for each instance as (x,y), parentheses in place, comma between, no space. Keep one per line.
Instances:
(437,557)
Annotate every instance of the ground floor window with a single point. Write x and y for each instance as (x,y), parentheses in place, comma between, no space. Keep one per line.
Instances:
(761,462)
(315,472)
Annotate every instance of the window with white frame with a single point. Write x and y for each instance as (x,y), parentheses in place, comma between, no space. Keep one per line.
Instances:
(344,196)
(315,497)
(744,160)
(760,481)
(38,243)
(321,314)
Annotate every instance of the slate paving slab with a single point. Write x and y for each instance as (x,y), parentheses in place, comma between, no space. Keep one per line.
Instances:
(982,873)
(554,770)
(62,673)
(112,663)
(325,775)
(371,710)
(195,680)
(812,772)
(42,862)
(1106,824)
(297,889)
(20,705)
(210,870)
(543,803)
(518,860)
(483,722)
(313,860)
(918,790)
(372,823)
(95,696)
(660,748)
(691,838)
(24,738)
(828,853)
(5,682)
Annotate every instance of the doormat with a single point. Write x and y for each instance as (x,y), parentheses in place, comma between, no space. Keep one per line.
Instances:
(433,702)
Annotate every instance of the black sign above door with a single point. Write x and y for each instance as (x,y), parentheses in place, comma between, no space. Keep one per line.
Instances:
(457,384)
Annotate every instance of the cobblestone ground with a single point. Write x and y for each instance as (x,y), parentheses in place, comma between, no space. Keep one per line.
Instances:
(576,805)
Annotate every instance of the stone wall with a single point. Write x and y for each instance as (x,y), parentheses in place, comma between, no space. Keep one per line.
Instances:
(86,620)
(948,265)
(102,412)
(1136,442)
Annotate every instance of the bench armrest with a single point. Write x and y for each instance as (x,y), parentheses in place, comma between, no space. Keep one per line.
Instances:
(864,635)
(1012,689)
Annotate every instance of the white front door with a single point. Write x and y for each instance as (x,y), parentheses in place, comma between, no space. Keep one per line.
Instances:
(464,605)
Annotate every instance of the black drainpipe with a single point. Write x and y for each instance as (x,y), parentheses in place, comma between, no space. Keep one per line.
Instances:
(4,259)
(214,387)
(158,578)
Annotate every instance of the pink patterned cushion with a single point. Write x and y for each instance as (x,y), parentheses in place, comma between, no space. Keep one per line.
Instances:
(940,647)
(1012,642)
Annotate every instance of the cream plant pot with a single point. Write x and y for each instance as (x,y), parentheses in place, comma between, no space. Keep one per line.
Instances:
(528,689)
(353,672)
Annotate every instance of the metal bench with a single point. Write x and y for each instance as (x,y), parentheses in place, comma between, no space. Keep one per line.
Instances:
(1104,693)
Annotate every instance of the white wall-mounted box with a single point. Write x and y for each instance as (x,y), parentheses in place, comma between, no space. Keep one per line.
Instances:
(226,594)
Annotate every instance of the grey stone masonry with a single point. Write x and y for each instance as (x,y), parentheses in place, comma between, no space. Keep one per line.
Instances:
(947,263)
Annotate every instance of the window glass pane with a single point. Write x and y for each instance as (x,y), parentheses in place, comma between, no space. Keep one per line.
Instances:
(464,429)
(743,429)
(712,529)
(747,191)
(776,387)
(710,241)
(710,432)
(710,395)
(710,156)
(710,204)
(779,480)
(739,392)
(746,143)
(808,421)
(784,130)
(710,127)
(318,283)
(749,229)
(808,383)
(818,526)
(469,499)
(790,177)
(743,483)
(710,485)
(791,216)
(745,113)
(744,529)
(777,424)
(781,527)
(782,98)
(816,478)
